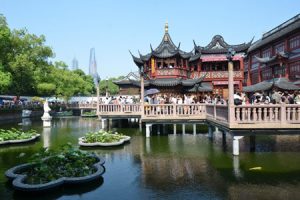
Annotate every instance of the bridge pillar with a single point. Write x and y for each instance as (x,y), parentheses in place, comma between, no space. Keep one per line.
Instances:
(252,143)
(158,129)
(236,145)
(140,125)
(194,129)
(224,143)
(148,127)
(174,129)
(210,133)
(183,129)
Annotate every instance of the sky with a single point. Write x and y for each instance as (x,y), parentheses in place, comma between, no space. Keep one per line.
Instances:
(113,27)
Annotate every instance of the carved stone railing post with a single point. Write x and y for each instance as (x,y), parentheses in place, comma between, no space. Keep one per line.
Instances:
(243,114)
(276,114)
(254,114)
(294,114)
(270,114)
(174,110)
(259,114)
(283,113)
(288,114)
(249,114)
(237,113)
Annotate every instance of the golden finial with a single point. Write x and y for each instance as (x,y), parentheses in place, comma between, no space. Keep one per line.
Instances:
(166,27)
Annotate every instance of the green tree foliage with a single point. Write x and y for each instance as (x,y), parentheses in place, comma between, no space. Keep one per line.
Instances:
(25,68)
(112,88)
(5,81)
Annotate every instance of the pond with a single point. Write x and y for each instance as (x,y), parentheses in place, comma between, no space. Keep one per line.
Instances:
(167,166)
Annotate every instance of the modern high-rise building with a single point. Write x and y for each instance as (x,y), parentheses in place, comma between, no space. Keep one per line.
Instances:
(93,63)
(74,64)
(93,67)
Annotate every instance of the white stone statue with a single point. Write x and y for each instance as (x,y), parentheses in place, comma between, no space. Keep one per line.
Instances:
(46,115)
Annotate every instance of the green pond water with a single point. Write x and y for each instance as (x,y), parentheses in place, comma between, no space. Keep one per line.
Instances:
(167,166)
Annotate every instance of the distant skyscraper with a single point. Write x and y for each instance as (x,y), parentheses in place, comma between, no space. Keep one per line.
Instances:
(93,63)
(93,67)
(74,64)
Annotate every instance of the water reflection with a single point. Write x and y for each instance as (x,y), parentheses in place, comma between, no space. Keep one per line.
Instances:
(168,166)
(70,191)
(46,137)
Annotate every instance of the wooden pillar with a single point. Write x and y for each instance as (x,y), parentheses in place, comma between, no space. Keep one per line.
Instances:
(249,71)
(199,66)
(242,71)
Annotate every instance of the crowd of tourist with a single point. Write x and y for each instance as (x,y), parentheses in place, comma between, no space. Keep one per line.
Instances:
(240,98)
(275,97)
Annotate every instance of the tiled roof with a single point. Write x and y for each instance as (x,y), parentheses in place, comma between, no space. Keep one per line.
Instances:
(281,83)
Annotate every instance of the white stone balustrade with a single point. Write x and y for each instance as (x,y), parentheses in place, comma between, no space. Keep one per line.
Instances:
(244,116)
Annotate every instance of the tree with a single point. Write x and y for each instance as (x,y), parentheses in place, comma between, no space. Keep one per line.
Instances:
(25,68)
(46,89)
(113,89)
(5,81)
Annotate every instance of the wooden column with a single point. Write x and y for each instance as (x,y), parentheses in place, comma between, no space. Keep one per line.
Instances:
(241,70)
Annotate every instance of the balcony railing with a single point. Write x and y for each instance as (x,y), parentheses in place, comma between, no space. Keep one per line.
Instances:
(216,74)
(279,115)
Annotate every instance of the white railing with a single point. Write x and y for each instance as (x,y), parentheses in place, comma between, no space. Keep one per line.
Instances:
(119,108)
(258,113)
(175,110)
(244,114)
(283,113)
(217,112)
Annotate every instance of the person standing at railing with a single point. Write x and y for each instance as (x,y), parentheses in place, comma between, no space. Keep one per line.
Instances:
(180,102)
(276,97)
(297,97)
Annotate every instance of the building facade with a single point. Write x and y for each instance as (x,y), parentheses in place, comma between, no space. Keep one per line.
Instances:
(274,60)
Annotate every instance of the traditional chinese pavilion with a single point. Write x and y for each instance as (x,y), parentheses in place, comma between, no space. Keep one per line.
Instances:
(203,69)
